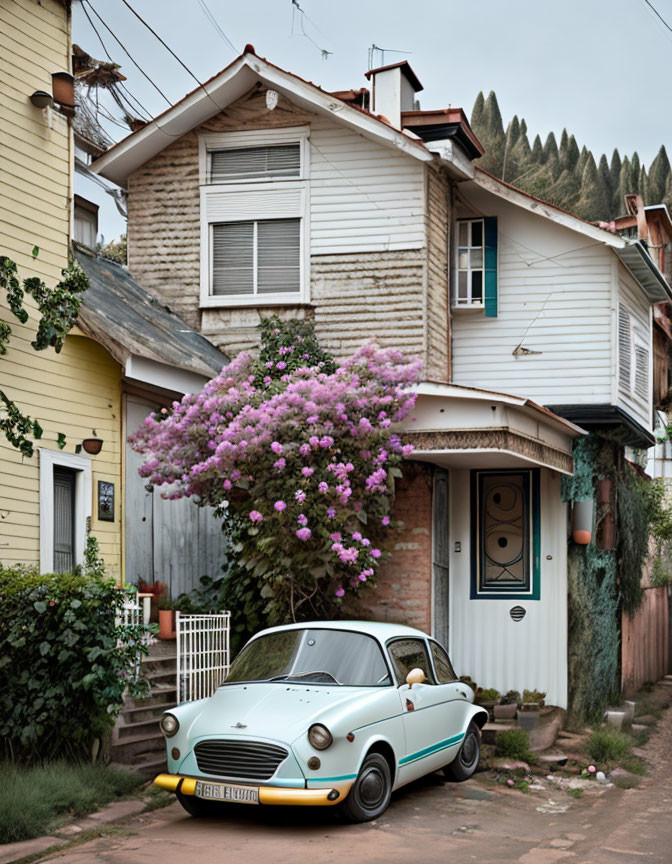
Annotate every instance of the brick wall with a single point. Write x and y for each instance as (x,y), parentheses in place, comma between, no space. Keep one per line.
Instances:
(403,594)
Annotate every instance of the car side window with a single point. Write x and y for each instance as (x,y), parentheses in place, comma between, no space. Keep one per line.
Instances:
(410,654)
(444,668)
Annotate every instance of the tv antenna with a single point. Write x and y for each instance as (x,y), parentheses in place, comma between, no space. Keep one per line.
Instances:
(381,52)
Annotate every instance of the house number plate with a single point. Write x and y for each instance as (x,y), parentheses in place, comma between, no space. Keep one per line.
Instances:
(222,792)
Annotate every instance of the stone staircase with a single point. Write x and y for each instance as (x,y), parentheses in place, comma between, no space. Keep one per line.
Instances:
(136,738)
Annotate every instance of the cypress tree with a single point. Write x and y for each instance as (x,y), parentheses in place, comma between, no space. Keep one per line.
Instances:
(615,173)
(605,180)
(582,160)
(551,147)
(478,114)
(625,186)
(493,137)
(593,202)
(537,154)
(659,174)
(636,167)
(572,153)
(562,149)
(644,185)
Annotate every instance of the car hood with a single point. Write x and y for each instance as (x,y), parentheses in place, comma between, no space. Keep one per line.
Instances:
(278,711)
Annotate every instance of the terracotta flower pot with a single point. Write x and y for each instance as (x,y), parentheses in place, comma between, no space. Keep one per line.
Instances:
(166,624)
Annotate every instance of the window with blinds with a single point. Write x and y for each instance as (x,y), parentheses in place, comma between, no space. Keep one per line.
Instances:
(256,257)
(641,372)
(254,163)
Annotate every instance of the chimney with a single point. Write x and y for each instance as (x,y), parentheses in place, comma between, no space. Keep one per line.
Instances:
(393,90)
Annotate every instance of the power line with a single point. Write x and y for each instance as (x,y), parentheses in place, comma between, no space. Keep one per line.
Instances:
(109,57)
(130,57)
(213,21)
(170,51)
(658,15)
(295,7)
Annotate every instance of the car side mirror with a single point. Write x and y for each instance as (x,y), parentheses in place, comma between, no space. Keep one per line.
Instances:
(415,676)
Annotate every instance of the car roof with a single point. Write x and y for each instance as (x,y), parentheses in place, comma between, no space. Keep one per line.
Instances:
(379,630)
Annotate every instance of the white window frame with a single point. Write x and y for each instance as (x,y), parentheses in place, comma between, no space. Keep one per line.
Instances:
(83,503)
(470,304)
(265,190)
(637,341)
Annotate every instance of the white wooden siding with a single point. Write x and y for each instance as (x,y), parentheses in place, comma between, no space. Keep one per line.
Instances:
(528,654)
(364,197)
(556,297)
(631,297)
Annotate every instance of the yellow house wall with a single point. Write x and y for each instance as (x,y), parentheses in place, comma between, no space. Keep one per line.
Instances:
(78,390)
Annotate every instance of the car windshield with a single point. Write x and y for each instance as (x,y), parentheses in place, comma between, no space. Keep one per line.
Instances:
(312,657)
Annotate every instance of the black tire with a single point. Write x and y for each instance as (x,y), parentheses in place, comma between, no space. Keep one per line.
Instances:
(370,794)
(464,765)
(198,807)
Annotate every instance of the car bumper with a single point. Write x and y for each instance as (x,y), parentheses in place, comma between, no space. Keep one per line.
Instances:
(272,795)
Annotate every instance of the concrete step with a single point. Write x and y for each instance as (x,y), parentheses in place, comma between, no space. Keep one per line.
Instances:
(150,764)
(161,692)
(129,748)
(128,731)
(138,712)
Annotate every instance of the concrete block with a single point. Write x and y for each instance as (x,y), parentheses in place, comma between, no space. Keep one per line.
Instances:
(10,852)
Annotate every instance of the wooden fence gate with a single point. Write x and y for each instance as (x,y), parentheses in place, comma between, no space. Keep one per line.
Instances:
(203,656)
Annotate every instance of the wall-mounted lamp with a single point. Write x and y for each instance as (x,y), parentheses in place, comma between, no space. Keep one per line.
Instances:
(92,446)
(42,99)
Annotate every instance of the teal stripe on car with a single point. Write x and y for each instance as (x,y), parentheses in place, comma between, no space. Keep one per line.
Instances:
(332,779)
(429,751)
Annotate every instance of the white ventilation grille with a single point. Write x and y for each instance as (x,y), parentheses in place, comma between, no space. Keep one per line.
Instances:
(624,349)
(641,372)
(252,163)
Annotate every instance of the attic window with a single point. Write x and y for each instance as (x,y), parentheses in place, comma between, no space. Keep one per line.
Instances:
(633,358)
(255,163)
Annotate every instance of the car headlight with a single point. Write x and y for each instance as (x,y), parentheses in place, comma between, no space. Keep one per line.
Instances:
(169,725)
(319,737)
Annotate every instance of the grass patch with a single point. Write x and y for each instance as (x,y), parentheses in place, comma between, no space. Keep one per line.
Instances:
(608,745)
(634,765)
(627,782)
(36,799)
(515,744)
(575,793)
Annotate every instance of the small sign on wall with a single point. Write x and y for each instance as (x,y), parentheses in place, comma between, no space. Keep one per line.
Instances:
(105,501)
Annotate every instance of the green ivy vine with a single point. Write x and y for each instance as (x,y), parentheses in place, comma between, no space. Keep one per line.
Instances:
(58,308)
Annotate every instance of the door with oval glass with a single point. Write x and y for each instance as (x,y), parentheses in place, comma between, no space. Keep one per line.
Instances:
(433,711)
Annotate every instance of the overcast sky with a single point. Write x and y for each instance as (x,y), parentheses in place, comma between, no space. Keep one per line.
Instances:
(599,67)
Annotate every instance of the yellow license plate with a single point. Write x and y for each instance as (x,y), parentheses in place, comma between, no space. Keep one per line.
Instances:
(226,792)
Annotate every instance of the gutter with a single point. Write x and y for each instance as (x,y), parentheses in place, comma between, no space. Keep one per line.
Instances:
(653,281)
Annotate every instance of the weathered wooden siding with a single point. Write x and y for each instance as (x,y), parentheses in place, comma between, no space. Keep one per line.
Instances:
(641,313)
(555,297)
(368,232)
(174,542)
(645,642)
(437,288)
(79,389)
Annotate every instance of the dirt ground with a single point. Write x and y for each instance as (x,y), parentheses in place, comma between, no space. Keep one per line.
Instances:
(428,821)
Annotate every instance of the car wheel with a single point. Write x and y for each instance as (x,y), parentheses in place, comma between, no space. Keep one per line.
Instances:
(198,807)
(370,794)
(465,763)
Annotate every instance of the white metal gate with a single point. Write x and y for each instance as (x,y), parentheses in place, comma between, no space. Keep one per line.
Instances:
(202,654)
(134,611)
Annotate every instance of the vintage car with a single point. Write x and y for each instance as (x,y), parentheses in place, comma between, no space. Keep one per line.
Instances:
(324,713)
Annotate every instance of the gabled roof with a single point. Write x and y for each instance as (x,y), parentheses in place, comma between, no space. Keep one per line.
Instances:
(130,322)
(224,88)
(632,253)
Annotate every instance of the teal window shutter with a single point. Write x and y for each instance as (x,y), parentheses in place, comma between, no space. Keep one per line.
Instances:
(490,265)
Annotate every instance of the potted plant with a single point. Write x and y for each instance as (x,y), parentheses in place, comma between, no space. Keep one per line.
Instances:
(507,708)
(156,589)
(528,715)
(166,618)
(488,699)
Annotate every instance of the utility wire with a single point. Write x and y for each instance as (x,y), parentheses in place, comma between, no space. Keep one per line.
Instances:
(658,15)
(213,21)
(109,57)
(130,57)
(170,51)
(295,7)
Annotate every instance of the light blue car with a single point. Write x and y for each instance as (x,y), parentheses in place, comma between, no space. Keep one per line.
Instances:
(324,713)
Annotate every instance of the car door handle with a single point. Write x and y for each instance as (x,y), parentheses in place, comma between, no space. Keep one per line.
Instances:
(462,693)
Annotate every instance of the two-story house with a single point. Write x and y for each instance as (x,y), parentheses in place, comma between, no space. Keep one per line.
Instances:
(259,192)
(126,355)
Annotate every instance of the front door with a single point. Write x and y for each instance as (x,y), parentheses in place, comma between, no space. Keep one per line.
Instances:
(64,519)
(433,712)
(440,556)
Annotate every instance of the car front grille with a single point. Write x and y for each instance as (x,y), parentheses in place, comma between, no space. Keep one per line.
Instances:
(239,760)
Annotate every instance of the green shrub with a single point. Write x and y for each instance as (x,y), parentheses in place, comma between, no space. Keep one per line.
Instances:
(514,743)
(608,745)
(489,695)
(33,800)
(64,662)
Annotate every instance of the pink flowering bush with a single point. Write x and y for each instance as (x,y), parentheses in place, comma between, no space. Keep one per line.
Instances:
(303,464)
